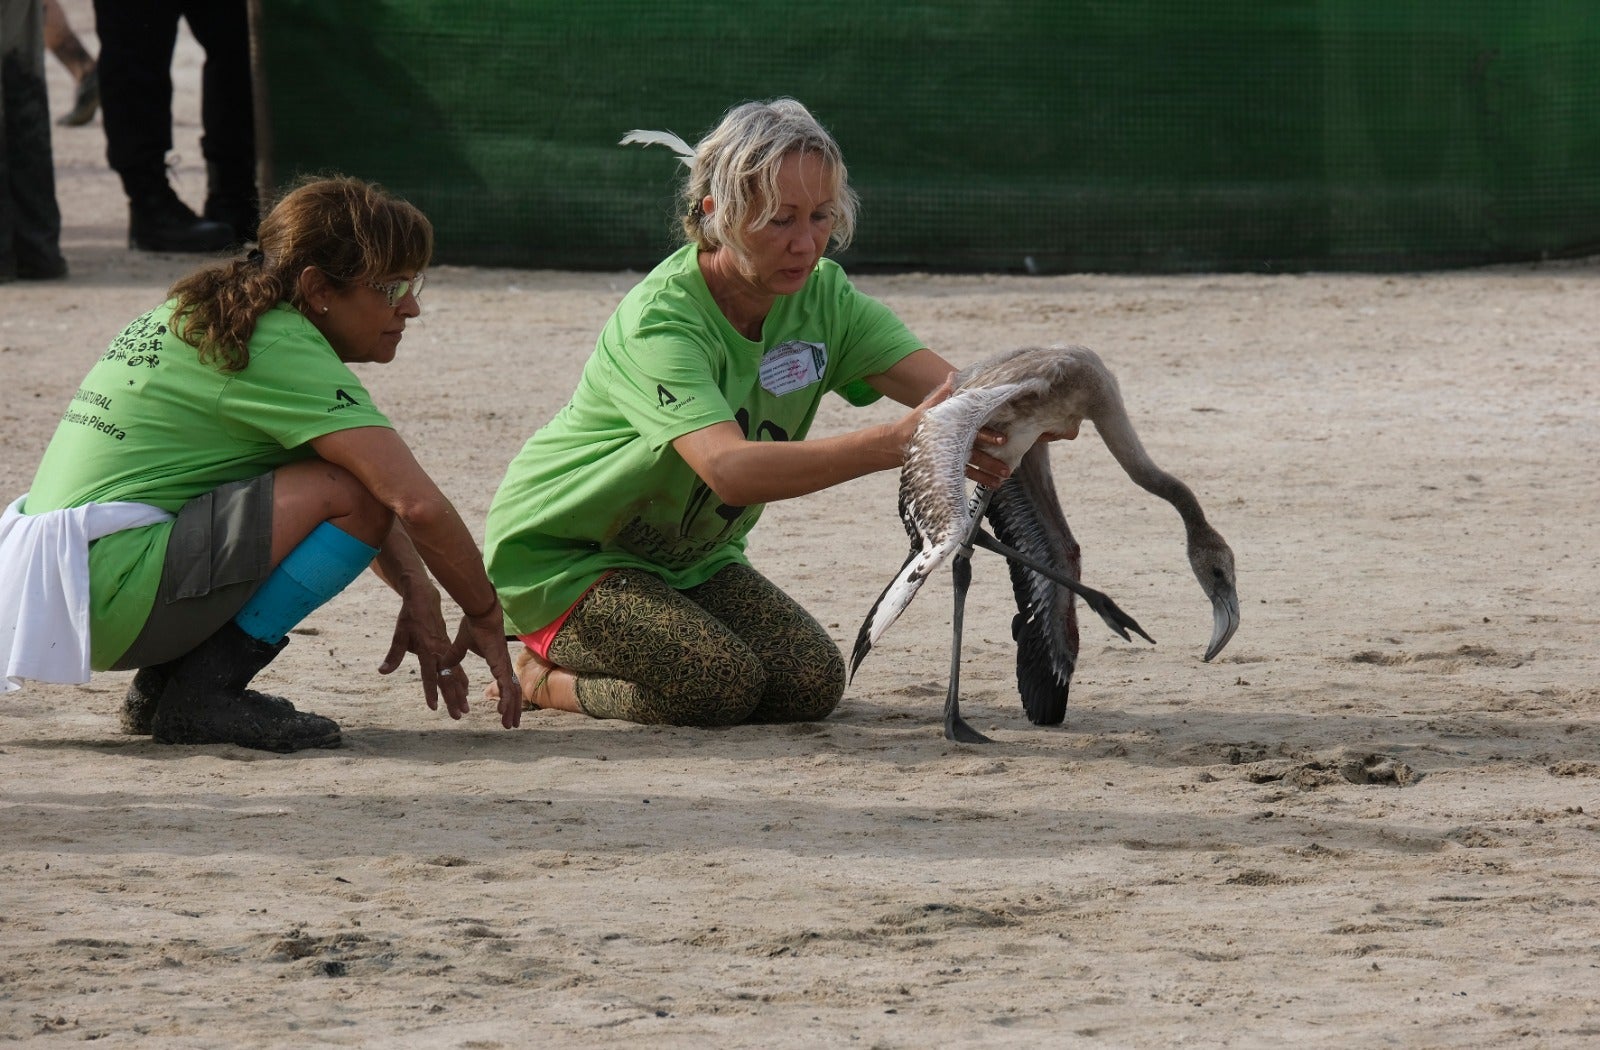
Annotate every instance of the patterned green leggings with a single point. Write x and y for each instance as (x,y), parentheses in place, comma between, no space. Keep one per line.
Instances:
(734,649)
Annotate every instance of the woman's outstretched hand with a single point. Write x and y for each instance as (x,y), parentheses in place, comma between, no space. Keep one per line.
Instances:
(420,629)
(484,634)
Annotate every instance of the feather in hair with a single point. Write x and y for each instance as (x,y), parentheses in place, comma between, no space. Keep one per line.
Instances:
(640,137)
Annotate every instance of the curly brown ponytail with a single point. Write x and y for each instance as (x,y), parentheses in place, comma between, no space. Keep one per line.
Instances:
(348,229)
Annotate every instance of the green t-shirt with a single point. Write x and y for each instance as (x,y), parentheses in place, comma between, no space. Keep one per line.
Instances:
(151,424)
(600,487)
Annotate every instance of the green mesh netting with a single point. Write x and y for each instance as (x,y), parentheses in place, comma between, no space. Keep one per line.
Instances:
(1045,135)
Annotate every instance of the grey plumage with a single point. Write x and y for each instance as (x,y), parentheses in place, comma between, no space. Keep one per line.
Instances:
(1027,393)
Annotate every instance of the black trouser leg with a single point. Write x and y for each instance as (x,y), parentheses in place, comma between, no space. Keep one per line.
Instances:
(227,112)
(136,44)
(227,108)
(30,221)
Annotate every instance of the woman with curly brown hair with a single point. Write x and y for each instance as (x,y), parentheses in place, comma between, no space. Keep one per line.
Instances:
(242,477)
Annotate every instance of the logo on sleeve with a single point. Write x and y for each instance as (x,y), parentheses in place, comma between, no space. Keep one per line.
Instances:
(664,397)
(342,401)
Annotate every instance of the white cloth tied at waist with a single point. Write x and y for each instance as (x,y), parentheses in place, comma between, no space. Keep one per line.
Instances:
(44,587)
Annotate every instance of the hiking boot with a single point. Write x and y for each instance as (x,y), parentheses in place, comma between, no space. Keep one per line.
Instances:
(205,700)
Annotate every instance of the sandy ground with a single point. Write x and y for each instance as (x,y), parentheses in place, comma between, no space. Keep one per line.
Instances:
(1371,822)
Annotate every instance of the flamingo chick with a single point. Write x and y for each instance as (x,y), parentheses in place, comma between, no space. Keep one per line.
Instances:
(1025,394)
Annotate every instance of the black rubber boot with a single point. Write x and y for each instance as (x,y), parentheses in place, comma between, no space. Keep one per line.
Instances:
(231,199)
(205,701)
(159,222)
(144,692)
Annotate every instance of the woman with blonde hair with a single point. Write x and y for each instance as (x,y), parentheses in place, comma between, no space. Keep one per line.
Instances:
(222,472)
(617,537)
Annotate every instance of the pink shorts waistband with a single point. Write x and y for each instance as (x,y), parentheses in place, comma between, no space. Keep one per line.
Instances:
(539,641)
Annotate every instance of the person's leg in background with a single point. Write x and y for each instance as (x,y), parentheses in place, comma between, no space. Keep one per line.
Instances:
(63,43)
(136,46)
(30,220)
(227,114)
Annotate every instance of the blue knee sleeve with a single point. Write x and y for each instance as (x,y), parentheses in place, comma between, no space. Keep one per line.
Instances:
(325,563)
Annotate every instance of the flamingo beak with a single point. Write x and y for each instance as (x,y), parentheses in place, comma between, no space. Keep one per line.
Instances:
(1225,620)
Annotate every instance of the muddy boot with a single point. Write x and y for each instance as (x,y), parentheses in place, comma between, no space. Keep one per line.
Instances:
(205,701)
(144,692)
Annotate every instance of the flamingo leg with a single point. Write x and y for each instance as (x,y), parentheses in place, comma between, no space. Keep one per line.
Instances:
(956,727)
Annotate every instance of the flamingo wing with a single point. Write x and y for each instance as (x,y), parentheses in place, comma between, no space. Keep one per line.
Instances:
(934,504)
(1027,516)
